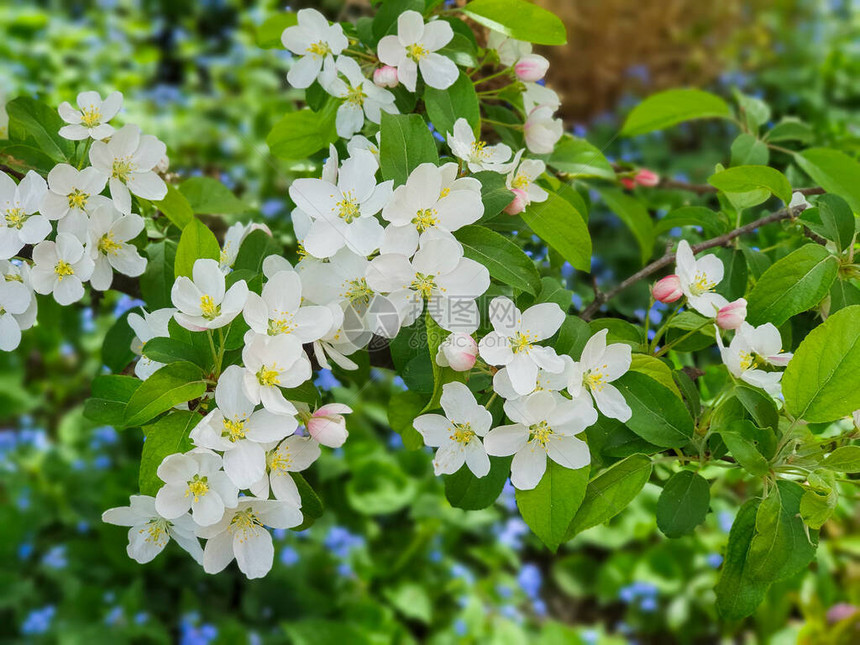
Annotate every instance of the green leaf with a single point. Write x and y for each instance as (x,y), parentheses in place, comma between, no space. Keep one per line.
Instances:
(610,492)
(845,459)
(171,385)
(834,171)
(176,207)
(843,294)
(441,375)
(494,193)
(748,150)
(461,50)
(656,369)
(209,196)
(820,382)
(790,129)
(738,594)
(460,100)
(255,248)
(505,261)
(464,490)
(302,133)
(116,348)
(110,394)
(170,350)
(197,242)
(734,282)
(659,415)
(402,410)
(671,107)
(30,119)
(549,507)
(739,437)
(405,143)
(518,19)
(792,285)
(268,34)
(385,20)
(683,504)
(559,224)
(712,223)
(762,409)
(838,220)
(634,214)
(411,599)
(745,179)
(312,505)
(579,158)
(167,436)
(23,157)
(157,280)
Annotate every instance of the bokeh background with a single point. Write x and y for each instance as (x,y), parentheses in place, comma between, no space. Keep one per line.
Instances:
(390,561)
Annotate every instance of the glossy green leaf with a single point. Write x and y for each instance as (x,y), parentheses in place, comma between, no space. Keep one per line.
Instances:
(505,261)
(464,490)
(671,107)
(405,143)
(167,436)
(302,133)
(634,214)
(171,385)
(460,100)
(176,207)
(577,157)
(845,459)
(834,171)
(558,224)
(744,179)
(268,34)
(549,507)
(659,415)
(738,594)
(209,196)
(197,242)
(518,19)
(683,504)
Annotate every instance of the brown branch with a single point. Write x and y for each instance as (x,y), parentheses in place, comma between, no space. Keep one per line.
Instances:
(604,296)
(10,171)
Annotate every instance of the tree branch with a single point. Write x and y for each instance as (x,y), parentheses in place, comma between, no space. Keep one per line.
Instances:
(601,297)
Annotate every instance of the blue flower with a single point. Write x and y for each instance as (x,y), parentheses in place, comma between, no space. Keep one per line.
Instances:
(38,621)
(326,380)
(530,579)
(56,557)
(714,560)
(289,556)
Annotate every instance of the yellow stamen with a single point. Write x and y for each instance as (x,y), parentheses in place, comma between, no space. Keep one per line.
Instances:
(462,433)
(521,342)
(358,291)
(156,530)
(245,521)
(122,168)
(595,380)
(701,284)
(424,219)
(198,487)
(356,96)
(78,199)
(319,48)
(348,208)
(416,52)
(63,269)
(108,245)
(15,218)
(280,460)
(521,181)
(479,149)
(268,376)
(540,432)
(285,325)
(445,192)
(208,307)
(91,116)
(234,429)
(423,284)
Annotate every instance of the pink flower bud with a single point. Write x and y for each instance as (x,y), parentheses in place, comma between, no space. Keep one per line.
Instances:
(459,352)
(628,183)
(667,289)
(385,76)
(521,200)
(531,68)
(328,426)
(732,315)
(647,177)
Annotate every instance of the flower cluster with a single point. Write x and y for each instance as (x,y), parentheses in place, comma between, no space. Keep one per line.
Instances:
(59,234)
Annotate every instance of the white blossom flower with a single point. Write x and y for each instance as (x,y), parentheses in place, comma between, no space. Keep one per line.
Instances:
(205,303)
(15,271)
(71,192)
(327,425)
(146,327)
(335,344)
(278,311)
(343,214)
(108,235)
(149,532)
(273,362)
(91,118)
(458,351)
(752,349)
(509,50)
(477,154)
(523,178)
(458,433)
(599,365)
(545,382)
(512,341)
(236,430)
(542,130)
(698,279)
(19,222)
(15,299)
(294,454)
(544,426)
(233,239)
(535,95)
(360,98)
(61,268)
(438,275)
(432,199)
(241,533)
(413,49)
(360,142)
(194,480)
(128,159)
(316,42)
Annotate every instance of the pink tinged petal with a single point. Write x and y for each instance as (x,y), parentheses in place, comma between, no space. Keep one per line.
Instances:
(439,72)
(528,466)
(569,452)
(254,552)
(449,458)
(171,501)
(506,440)
(611,403)
(434,428)
(218,552)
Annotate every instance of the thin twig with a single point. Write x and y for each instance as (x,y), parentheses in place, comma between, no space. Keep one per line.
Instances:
(602,297)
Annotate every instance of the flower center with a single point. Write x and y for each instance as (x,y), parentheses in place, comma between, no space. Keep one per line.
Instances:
(356,96)
(416,52)
(425,219)
(319,48)
(208,308)
(750,360)
(91,116)
(245,521)
(479,150)
(423,284)
(122,168)
(108,245)
(63,269)
(300,251)
(268,376)
(595,380)
(348,208)
(234,429)
(358,291)
(520,342)
(15,217)
(280,460)
(78,199)
(283,325)
(521,181)
(701,284)
(198,487)
(156,530)
(540,432)
(444,193)
(462,433)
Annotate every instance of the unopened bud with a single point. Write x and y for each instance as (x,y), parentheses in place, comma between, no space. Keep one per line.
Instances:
(385,76)
(732,315)
(531,68)
(667,289)
(459,352)
(647,177)
(328,426)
